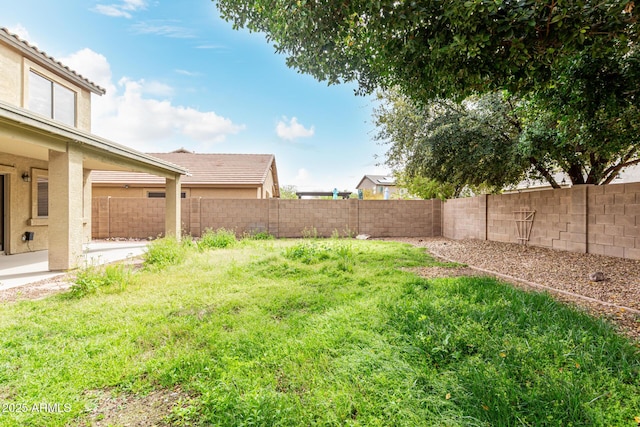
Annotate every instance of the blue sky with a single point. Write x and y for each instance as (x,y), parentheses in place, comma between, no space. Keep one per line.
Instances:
(177,76)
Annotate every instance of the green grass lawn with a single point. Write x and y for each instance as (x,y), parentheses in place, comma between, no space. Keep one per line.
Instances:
(315,332)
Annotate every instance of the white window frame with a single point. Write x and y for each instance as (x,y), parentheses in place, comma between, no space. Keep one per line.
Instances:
(56,85)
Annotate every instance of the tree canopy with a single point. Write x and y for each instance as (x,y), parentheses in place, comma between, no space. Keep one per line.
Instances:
(586,126)
(479,93)
(470,143)
(433,49)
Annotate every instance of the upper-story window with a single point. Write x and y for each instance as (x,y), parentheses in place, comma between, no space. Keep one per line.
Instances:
(51,99)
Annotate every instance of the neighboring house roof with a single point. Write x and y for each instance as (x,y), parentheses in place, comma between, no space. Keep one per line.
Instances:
(383,180)
(627,175)
(205,169)
(48,62)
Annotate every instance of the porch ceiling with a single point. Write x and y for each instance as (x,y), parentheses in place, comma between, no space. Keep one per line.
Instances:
(26,134)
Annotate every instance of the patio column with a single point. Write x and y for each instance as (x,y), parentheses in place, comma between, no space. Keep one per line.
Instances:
(66,211)
(87,207)
(173,206)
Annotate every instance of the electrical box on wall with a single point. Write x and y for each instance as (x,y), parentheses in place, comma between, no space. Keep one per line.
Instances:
(27,236)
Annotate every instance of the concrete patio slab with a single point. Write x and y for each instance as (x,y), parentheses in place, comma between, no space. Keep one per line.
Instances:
(23,269)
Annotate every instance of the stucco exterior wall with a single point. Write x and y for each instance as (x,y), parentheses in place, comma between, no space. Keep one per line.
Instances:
(195,192)
(224,193)
(268,187)
(11,81)
(14,88)
(19,206)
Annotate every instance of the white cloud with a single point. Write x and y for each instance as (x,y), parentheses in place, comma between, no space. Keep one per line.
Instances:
(92,66)
(134,4)
(188,73)
(128,115)
(121,10)
(303,175)
(293,129)
(212,46)
(113,11)
(163,28)
(157,89)
(21,32)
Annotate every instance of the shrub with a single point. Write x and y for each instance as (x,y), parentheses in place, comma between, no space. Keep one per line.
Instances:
(310,233)
(164,252)
(346,257)
(258,235)
(91,278)
(304,252)
(220,238)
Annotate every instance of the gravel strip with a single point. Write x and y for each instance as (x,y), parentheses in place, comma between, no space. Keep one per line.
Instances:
(617,297)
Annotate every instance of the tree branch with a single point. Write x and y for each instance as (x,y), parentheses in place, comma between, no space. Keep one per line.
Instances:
(544,172)
(615,170)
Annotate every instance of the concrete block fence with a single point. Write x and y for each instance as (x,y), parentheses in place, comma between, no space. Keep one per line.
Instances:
(602,220)
(143,218)
(587,219)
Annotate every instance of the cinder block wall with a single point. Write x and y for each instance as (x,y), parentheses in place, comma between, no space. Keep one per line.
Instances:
(131,218)
(596,219)
(602,220)
(241,215)
(144,218)
(559,218)
(559,221)
(400,218)
(614,220)
(325,216)
(465,218)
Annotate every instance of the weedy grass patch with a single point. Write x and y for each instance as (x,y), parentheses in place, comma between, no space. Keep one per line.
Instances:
(317,332)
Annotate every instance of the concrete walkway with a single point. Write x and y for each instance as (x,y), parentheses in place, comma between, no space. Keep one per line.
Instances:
(22,269)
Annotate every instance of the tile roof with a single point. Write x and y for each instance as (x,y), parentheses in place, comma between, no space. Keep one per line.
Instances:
(49,62)
(212,169)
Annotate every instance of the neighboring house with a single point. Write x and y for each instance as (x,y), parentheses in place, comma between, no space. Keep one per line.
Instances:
(217,176)
(380,186)
(627,175)
(47,153)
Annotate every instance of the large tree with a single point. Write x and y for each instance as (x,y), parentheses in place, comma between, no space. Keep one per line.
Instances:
(588,122)
(431,48)
(585,125)
(472,143)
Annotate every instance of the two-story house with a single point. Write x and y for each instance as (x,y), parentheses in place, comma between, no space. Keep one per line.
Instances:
(47,152)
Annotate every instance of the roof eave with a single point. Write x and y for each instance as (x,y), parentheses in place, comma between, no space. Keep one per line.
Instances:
(31,120)
(48,62)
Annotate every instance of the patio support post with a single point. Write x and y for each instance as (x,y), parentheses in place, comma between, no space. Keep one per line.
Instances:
(66,211)
(87,207)
(173,207)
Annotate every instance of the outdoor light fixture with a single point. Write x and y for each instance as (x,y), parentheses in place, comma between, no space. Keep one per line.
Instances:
(26,177)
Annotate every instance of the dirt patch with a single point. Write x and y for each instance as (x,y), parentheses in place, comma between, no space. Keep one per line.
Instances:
(37,290)
(47,287)
(128,410)
(565,275)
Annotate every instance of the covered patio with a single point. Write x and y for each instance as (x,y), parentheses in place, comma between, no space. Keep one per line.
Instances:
(45,183)
(31,267)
